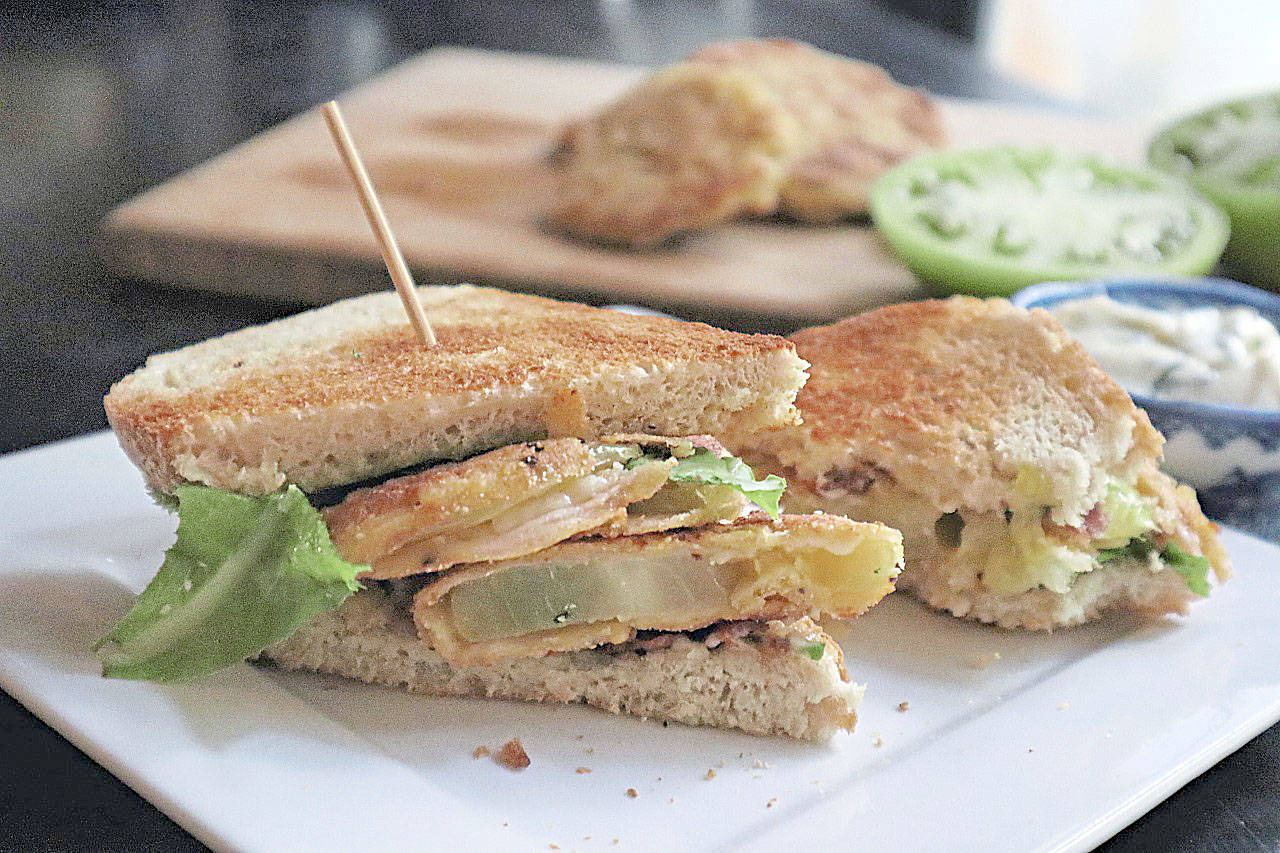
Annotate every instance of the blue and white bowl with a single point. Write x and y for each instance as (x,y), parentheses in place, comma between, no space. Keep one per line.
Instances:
(1232,450)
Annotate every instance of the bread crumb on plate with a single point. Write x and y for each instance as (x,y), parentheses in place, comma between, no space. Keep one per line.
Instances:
(512,755)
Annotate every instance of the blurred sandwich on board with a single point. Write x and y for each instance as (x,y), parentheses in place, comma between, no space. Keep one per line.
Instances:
(534,508)
(1024,480)
(738,128)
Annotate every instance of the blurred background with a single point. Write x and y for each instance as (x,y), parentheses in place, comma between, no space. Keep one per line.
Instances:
(1140,56)
(100,101)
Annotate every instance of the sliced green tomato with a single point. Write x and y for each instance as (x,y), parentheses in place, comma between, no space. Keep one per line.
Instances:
(1231,153)
(992,221)
(630,588)
(670,587)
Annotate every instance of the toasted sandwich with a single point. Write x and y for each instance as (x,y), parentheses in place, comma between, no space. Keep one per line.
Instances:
(1024,480)
(534,508)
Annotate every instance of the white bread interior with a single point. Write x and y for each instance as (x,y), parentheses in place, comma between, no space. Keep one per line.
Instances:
(766,689)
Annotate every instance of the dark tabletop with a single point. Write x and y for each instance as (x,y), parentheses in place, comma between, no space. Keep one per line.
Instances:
(98,102)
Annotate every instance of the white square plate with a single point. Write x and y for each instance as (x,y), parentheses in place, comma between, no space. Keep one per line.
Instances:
(1009,741)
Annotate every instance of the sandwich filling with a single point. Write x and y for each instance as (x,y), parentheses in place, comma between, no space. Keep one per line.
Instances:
(594,591)
(524,551)
(525,497)
(1145,521)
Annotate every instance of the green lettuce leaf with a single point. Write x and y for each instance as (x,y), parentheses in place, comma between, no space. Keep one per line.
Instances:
(245,572)
(1138,549)
(813,650)
(705,467)
(1194,570)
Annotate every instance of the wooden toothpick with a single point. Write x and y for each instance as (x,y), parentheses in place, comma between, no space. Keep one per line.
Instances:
(400,275)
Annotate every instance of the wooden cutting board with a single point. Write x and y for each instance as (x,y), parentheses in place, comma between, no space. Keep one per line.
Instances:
(453,140)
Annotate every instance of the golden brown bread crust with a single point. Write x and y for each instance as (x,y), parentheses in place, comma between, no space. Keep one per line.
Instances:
(952,398)
(854,121)
(531,335)
(341,393)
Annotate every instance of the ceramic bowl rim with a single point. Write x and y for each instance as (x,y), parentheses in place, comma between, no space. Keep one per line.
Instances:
(1212,290)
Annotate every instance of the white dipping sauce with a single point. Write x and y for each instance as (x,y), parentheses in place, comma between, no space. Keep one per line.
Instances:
(1202,354)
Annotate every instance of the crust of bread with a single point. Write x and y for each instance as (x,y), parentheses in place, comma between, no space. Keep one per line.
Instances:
(952,399)
(854,121)
(766,689)
(346,392)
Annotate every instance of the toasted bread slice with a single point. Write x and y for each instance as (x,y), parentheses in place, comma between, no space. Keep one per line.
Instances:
(772,686)
(344,393)
(1008,459)
(952,398)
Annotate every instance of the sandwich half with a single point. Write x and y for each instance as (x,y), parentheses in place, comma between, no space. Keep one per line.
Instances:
(535,509)
(1024,480)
